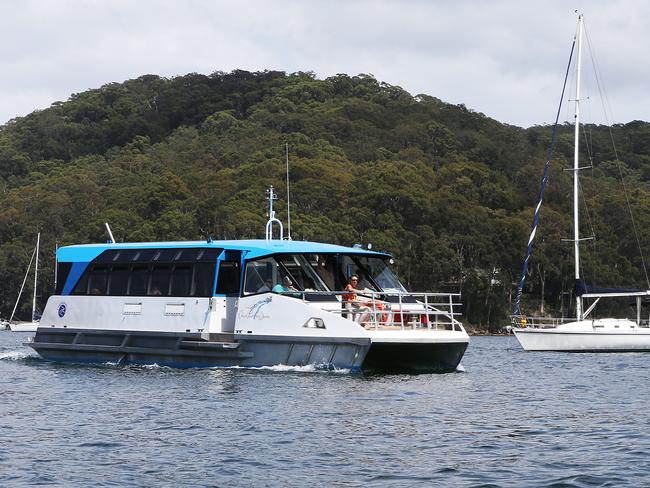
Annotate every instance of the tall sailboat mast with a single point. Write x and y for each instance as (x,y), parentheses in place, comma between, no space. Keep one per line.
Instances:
(576,169)
(38,242)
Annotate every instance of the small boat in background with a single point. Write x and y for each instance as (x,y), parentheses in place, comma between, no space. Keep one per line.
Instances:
(33,324)
(582,334)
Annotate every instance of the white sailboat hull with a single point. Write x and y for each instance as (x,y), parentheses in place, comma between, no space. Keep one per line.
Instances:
(605,335)
(24,327)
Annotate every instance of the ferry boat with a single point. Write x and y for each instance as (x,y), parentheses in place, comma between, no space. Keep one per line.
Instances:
(221,304)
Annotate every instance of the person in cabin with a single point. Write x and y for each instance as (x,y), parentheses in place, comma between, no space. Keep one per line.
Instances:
(286,285)
(357,310)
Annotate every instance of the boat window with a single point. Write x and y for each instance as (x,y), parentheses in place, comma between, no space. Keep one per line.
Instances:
(97,280)
(126,255)
(138,280)
(144,256)
(159,283)
(203,279)
(116,256)
(63,270)
(228,278)
(153,272)
(187,255)
(106,256)
(349,265)
(377,269)
(301,272)
(325,267)
(118,280)
(261,275)
(165,255)
(181,280)
(209,255)
(81,288)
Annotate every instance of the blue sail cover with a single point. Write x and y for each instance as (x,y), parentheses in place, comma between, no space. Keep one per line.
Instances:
(581,288)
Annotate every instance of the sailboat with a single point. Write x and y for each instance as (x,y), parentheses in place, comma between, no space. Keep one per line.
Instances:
(584,334)
(33,324)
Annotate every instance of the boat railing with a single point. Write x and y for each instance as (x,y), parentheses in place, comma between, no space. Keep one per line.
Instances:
(394,310)
(520,321)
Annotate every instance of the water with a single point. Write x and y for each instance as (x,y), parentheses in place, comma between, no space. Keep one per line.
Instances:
(509,419)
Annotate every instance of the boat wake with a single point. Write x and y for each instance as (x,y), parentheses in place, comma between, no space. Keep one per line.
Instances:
(16,355)
(278,368)
(117,364)
(284,368)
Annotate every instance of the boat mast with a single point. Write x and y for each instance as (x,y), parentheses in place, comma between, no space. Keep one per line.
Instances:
(38,242)
(576,169)
(56,266)
(288,204)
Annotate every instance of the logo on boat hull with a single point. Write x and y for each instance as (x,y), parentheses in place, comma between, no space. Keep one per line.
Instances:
(255,311)
(62,309)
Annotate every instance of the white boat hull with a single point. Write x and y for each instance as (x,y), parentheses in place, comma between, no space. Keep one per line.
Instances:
(268,329)
(24,326)
(606,335)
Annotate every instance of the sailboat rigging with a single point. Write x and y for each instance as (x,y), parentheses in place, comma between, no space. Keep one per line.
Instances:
(33,325)
(582,334)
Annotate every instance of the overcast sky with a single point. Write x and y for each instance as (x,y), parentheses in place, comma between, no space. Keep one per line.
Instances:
(503,58)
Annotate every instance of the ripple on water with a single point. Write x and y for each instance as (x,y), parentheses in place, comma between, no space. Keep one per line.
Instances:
(511,419)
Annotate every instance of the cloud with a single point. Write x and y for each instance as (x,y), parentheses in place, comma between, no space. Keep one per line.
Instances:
(503,58)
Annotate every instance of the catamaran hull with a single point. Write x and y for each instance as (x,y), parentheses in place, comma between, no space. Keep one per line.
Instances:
(187,350)
(584,341)
(416,351)
(190,350)
(392,357)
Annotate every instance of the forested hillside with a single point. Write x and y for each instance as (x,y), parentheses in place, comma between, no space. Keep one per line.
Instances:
(449,192)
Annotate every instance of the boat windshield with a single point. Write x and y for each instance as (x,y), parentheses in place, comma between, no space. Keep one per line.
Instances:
(263,274)
(381,274)
(320,272)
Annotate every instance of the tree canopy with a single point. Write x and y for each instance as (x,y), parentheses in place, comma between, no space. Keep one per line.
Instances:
(448,191)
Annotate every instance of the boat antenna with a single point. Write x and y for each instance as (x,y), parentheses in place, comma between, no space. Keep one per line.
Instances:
(110,234)
(56,265)
(542,186)
(286,149)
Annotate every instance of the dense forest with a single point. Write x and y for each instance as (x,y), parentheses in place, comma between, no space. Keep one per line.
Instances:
(448,191)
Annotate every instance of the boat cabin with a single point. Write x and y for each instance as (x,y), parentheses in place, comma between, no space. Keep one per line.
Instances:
(220,268)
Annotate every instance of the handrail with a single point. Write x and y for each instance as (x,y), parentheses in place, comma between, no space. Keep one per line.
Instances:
(428,311)
(539,322)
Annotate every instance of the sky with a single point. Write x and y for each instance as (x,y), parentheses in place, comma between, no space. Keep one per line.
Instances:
(504,58)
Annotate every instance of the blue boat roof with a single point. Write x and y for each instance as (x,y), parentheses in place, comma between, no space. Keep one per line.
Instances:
(254,247)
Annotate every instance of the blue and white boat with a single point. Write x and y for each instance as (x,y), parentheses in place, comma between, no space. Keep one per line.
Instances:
(211,304)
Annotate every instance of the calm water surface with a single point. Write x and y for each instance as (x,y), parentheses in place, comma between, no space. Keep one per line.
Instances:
(509,419)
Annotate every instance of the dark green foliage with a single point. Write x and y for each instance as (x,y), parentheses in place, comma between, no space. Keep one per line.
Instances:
(449,192)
